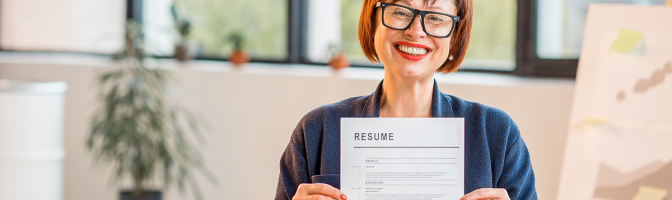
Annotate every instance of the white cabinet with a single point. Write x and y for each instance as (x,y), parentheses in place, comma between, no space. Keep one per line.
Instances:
(31,140)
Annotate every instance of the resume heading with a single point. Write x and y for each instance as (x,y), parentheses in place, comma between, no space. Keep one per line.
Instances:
(374,136)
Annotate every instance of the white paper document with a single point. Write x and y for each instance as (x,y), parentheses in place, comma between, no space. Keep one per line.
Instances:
(402,158)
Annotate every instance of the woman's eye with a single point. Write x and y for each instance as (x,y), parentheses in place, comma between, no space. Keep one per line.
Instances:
(435,19)
(401,14)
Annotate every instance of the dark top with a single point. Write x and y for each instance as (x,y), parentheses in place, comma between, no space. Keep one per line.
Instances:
(495,154)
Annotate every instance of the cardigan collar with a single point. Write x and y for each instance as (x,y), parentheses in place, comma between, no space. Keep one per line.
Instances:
(440,104)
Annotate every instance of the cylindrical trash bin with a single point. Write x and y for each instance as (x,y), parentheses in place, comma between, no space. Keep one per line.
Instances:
(31,140)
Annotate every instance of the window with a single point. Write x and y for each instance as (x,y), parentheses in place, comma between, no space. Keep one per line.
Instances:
(493,36)
(71,26)
(550,34)
(324,29)
(350,11)
(520,37)
(560,25)
(263,23)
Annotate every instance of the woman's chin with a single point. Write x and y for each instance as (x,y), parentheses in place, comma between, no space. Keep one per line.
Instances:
(410,72)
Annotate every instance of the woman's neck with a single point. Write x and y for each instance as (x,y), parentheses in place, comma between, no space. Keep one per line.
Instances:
(407,99)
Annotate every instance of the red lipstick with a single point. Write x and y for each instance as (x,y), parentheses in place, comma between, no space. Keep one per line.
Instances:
(408,56)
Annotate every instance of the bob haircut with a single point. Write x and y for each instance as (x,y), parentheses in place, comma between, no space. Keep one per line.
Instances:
(459,38)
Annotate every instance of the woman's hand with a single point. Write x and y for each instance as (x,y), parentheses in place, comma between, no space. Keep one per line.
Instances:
(487,194)
(318,191)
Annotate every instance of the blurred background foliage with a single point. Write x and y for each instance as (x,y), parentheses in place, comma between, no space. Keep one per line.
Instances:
(262,22)
(350,11)
(493,35)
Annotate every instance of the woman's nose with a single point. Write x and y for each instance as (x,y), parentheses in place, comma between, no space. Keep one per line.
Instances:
(415,30)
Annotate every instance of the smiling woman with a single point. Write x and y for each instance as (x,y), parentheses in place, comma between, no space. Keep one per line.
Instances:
(460,31)
(413,39)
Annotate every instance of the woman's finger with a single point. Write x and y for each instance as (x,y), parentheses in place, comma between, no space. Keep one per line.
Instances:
(313,197)
(324,189)
(487,194)
(320,189)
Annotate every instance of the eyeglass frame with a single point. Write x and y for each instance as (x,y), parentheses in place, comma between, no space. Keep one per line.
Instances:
(416,12)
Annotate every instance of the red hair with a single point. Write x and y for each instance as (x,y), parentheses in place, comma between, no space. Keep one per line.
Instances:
(458,45)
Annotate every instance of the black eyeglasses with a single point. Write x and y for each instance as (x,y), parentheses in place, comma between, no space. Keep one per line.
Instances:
(400,17)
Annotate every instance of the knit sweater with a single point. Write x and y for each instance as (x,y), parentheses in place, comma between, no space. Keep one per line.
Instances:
(495,154)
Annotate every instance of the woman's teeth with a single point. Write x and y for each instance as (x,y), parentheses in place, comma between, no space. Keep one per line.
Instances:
(412,50)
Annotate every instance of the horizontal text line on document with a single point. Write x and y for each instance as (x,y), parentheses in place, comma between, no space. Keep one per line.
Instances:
(409,163)
(411,180)
(410,158)
(412,147)
(410,185)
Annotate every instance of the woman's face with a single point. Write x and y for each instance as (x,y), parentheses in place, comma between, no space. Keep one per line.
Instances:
(392,45)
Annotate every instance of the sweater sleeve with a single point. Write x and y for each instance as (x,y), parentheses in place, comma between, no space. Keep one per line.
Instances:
(293,166)
(517,175)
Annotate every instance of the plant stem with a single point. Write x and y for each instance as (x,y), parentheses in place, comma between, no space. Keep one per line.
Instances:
(130,47)
(138,182)
(137,171)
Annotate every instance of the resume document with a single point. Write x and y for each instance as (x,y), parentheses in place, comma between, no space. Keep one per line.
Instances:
(402,158)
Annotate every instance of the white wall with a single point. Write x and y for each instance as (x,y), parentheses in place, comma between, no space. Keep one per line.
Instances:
(253,111)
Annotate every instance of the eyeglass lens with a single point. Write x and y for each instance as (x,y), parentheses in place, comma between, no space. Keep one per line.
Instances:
(435,24)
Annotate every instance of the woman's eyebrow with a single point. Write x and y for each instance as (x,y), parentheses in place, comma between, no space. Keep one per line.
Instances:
(439,8)
(405,2)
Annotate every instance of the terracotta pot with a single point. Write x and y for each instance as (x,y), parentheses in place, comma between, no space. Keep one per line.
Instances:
(239,57)
(185,51)
(339,61)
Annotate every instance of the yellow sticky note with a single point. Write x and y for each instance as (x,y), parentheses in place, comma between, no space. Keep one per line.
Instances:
(650,193)
(626,41)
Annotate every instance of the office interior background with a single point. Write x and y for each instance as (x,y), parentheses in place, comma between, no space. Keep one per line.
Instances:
(522,58)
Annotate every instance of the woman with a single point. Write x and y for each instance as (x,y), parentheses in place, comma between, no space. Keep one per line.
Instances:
(497,163)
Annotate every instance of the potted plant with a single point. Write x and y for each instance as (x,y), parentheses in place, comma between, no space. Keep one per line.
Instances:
(185,49)
(138,131)
(337,60)
(238,57)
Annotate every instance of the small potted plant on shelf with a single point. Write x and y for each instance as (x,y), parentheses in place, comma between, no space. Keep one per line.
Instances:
(138,131)
(185,49)
(238,57)
(338,59)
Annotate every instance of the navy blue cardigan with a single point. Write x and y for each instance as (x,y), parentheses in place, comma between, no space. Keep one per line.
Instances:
(495,154)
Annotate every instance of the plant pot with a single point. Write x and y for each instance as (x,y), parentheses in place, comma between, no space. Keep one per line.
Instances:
(146,195)
(339,61)
(239,57)
(185,51)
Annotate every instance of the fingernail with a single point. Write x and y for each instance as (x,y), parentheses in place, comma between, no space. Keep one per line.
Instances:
(343,197)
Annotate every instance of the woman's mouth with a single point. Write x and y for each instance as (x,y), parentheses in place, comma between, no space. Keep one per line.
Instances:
(411,51)
(414,51)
